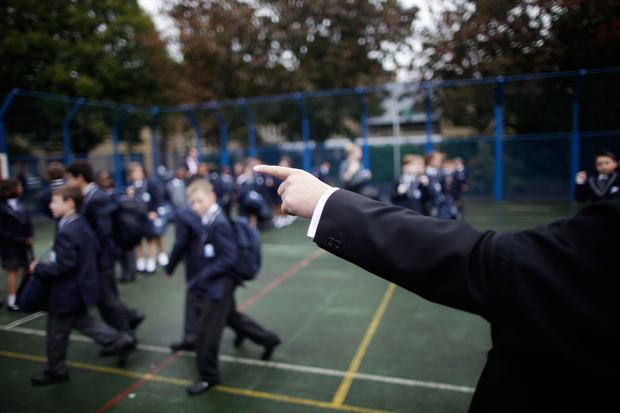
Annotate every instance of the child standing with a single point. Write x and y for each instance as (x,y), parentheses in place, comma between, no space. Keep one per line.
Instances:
(410,189)
(598,187)
(16,236)
(74,288)
(146,190)
(214,285)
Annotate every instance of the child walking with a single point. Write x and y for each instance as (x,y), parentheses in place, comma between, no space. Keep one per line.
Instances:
(74,288)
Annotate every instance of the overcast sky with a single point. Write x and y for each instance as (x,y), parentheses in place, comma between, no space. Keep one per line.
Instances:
(166,27)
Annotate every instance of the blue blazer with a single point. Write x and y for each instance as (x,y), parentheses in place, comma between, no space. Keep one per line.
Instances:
(217,255)
(73,276)
(189,230)
(101,224)
(150,193)
(15,229)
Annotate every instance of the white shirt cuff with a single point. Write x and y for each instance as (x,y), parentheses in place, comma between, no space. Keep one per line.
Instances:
(580,181)
(316,215)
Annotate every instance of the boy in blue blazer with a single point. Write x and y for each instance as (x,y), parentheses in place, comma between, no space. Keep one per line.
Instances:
(74,288)
(214,285)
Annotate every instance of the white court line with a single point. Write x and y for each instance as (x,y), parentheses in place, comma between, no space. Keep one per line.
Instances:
(23,320)
(275,365)
(288,248)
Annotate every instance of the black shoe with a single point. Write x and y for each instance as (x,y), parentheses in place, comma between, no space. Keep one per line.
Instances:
(269,349)
(125,351)
(125,280)
(183,346)
(136,321)
(13,308)
(200,387)
(1,303)
(45,379)
(239,340)
(109,351)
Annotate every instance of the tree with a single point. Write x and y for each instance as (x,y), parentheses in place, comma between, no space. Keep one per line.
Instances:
(235,49)
(96,49)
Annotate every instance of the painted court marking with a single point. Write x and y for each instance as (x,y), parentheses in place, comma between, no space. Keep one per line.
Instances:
(301,264)
(152,375)
(243,306)
(288,248)
(277,365)
(23,320)
(343,390)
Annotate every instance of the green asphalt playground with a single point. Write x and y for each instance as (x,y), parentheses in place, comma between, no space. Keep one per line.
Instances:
(352,342)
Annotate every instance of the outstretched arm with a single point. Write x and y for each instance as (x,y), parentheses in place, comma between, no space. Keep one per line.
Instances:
(443,261)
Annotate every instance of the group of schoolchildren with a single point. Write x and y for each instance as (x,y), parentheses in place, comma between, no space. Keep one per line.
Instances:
(81,269)
(431,185)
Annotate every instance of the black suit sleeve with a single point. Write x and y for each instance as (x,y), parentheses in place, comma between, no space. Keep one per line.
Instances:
(443,261)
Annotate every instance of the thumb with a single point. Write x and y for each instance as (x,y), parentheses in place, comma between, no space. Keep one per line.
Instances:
(277,171)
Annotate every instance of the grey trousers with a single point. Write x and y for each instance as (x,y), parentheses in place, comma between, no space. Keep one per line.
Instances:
(128,264)
(112,310)
(59,327)
(215,315)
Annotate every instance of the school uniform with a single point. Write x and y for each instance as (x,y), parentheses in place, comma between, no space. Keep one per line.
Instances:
(597,187)
(112,310)
(74,288)
(189,229)
(46,196)
(148,192)
(215,284)
(549,293)
(450,195)
(414,198)
(250,197)
(176,193)
(435,187)
(222,190)
(15,230)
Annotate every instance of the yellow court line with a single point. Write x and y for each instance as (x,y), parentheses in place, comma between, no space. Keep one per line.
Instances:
(342,391)
(181,382)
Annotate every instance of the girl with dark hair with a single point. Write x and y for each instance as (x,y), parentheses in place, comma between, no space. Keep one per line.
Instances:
(16,236)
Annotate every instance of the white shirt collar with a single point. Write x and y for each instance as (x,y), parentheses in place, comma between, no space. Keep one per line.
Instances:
(88,188)
(206,218)
(12,203)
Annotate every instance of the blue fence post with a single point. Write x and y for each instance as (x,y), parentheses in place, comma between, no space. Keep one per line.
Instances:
(223,133)
(154,113)
(65,129)
(5,107)
(429,117)
(195,125)
(499,144)
(251,128)
(575,144)
(305,131)
(117,157)
(364,122)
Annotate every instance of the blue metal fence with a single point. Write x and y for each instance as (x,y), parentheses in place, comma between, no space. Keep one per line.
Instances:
(305,156)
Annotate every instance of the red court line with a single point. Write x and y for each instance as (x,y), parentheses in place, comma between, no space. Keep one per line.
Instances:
(139,383)
(301,264)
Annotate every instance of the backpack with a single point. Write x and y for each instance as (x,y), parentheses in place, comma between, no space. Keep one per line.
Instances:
(129,221)
(248,241)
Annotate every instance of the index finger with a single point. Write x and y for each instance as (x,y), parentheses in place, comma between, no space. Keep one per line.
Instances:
(281,172)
